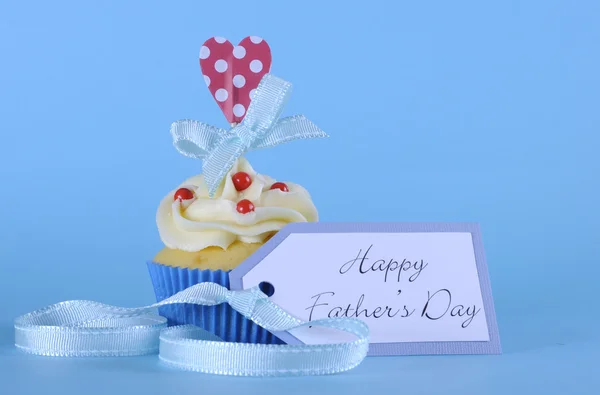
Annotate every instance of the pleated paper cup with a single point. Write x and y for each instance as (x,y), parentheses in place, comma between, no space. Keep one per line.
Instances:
(220,320)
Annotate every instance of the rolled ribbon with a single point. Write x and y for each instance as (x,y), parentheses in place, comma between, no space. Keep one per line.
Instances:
(82,328)
(260,128)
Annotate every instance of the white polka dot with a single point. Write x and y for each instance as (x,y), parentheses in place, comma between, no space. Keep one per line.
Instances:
(256,39)
(204,52)
(252,93)
(221,65)
(207,80)
(239,81)
(239,52)
(221,95)
(220,40)
(239,110)
(256,66)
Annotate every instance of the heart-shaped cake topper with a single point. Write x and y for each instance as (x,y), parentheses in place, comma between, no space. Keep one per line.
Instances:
(232,73)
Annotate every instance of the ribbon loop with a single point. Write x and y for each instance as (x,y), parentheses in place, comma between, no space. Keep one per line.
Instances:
(260,128)
(83,328)
(195,139)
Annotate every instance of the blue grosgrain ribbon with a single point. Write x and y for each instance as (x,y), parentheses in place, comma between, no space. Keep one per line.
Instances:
(260,128)
(87,329)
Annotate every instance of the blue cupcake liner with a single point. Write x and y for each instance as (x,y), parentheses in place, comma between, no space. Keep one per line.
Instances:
(220,320)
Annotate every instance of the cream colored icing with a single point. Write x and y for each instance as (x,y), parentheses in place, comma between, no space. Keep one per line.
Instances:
(202,222)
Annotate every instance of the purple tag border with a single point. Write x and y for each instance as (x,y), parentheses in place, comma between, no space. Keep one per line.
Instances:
(405,348)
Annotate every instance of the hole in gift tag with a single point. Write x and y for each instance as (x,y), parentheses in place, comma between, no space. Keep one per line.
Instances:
(267,288)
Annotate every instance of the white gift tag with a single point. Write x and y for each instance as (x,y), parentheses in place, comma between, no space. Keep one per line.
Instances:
(421,288)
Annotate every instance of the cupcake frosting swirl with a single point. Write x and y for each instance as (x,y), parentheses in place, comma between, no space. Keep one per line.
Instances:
(201,222)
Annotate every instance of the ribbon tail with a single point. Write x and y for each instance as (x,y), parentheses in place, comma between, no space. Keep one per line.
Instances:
(288,129)
(219,162)
(195,139)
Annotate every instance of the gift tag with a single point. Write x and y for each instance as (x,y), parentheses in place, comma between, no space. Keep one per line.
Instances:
(422,288)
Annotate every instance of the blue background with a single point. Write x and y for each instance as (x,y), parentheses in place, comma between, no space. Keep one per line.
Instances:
(437,111)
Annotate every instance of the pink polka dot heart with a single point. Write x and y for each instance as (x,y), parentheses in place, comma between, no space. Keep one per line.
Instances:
(232,73)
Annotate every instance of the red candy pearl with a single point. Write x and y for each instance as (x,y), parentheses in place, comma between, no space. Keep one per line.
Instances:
(183,194)
(244,206)
(241,181)
(281,186)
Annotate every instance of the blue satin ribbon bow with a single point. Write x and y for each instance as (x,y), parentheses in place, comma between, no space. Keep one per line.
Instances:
(260,128)
(82,328)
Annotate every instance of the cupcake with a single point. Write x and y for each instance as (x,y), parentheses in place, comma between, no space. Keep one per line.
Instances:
(206,237)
